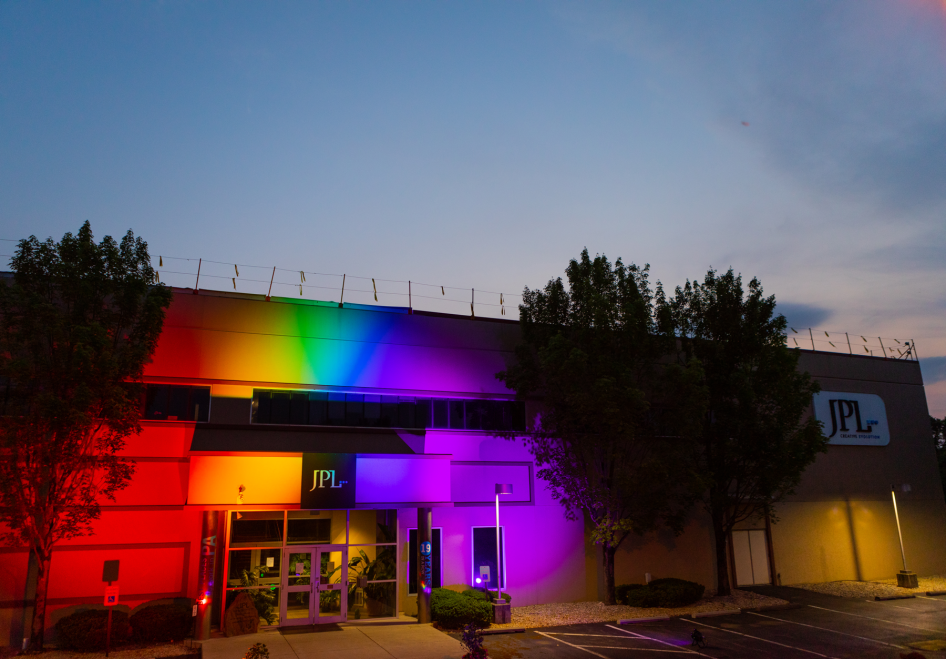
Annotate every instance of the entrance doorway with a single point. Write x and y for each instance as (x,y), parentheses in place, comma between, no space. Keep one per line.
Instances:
(751,557)
(308,600)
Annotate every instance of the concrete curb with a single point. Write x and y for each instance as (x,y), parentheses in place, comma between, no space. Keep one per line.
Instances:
(511,630)
(633,620)
(713,614)
(887,598)
(934,593)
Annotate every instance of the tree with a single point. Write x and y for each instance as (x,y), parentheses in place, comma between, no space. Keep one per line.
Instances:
(78,323)
(613,438)
(755,443)
(938,426)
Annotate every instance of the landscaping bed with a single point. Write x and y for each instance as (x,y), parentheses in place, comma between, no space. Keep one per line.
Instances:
(871,589)
(553,615)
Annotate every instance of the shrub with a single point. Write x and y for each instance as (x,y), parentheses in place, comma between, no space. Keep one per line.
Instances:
(257,651)
(453,610)
(678,592)
(664,593)
(486,596)
(161,622)
(85,630)
(621,592)
(472,642)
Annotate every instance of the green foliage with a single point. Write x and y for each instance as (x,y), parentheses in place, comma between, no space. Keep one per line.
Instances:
(621,592)
(159,623)
(477,594)
(614,440)
(755,445)
(257,651)
(78,323)
(86,630)
(453,610)
(264,599)
(663,593)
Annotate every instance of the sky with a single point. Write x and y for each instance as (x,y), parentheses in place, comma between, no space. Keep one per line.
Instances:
(483,145)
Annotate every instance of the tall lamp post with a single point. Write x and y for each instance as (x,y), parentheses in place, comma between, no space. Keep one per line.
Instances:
(501,610)
(905,579)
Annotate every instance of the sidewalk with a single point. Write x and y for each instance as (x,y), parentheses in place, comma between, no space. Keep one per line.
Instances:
(345,641)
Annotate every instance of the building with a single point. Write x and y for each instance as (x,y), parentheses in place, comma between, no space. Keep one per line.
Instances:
(284,434)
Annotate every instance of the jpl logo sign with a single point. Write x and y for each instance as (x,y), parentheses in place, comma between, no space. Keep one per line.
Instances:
(328,480)
(852,418)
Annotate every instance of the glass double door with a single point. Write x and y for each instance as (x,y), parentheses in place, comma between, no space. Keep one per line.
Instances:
(307,599)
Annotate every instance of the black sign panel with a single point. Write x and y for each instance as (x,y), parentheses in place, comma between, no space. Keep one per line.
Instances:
(328,481)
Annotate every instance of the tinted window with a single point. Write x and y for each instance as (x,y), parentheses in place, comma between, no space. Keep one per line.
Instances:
(168,402)
(484,554)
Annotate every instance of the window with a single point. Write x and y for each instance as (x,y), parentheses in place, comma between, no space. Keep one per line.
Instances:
(484,555)
(171,402)
(320,408)
(436,560)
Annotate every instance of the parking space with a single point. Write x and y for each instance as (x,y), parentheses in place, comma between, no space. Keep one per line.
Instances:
(816,626)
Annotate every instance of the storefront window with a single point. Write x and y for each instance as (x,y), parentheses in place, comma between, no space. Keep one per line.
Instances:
(373,526)
(256,529)
(269,548)
(317,527)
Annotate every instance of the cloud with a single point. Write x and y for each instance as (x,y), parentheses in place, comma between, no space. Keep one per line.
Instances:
(801,315)
(847,97)
(933,369)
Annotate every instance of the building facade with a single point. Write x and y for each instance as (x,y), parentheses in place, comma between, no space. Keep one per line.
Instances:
(293,443)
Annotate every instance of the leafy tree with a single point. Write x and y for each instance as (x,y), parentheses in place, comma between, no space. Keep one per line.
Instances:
(755,444)
(938,426)
(613,440)
(78,323)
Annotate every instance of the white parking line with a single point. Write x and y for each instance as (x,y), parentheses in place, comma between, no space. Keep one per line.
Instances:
(558,640)
(656,640)
(675,650)
(825,629)
(764,640)
(896,606)
(935,599)
(889,622)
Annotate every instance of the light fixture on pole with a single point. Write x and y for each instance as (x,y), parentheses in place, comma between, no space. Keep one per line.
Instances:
(501,612)
(905,579)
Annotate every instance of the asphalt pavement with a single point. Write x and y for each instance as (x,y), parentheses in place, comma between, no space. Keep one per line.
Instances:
(815,625)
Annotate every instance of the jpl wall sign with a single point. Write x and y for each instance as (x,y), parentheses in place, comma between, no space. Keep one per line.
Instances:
(328,480)
(852,418)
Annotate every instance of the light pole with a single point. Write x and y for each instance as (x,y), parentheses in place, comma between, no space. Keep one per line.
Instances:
(905,579)
(501,488)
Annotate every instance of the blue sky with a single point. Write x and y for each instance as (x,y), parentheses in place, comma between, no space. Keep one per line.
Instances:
(484,144)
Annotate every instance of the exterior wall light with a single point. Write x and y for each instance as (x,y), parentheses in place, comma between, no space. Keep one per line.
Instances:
(501,612)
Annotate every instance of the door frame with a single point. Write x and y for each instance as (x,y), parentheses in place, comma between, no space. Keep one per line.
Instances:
(314,587)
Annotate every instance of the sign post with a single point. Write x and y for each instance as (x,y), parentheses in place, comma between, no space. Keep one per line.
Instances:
(110,574)
(423,564)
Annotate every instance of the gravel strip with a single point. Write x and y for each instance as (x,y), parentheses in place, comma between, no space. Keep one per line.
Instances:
(553,615)
(871,589)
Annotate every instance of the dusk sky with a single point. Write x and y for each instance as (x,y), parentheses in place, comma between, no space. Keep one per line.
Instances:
(484,144)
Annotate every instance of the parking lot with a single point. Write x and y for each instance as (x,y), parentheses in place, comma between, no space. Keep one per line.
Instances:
(816,626)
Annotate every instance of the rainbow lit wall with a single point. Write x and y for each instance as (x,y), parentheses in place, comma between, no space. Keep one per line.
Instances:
(235,339)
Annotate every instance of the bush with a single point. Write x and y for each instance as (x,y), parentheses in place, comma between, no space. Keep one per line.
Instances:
(161,622)
(664,593)
(85,630)
(453,610)
(621,592)
(486,596)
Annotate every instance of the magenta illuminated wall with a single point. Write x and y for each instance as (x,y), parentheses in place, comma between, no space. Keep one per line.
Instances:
(215,337)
